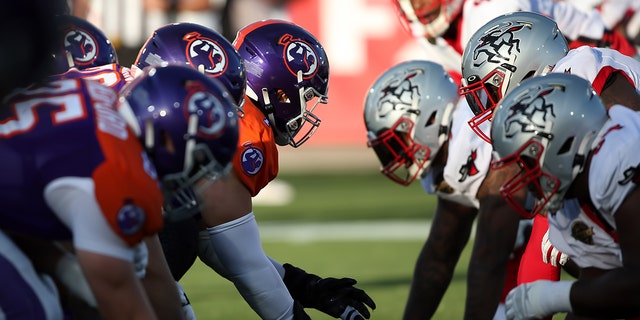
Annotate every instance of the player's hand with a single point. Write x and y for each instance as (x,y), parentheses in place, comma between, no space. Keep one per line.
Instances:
(551,255)
(538,299)
(335,297)
(298,312)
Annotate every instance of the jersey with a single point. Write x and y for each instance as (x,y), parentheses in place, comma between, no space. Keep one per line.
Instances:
(597,64)
(71,168)
(469,156)
(588,235)
(256,160)
(111,75)
(448,49)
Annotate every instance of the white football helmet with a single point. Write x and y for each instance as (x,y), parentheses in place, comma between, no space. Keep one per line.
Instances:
(407,113)
(503,52)
(546,125)
(428,18)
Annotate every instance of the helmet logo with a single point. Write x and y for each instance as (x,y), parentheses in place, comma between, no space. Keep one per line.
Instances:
(299,56)
(82,46)
(209,109)
(251,159)
(206,52)
(398,96)
(533,106)
(498,43)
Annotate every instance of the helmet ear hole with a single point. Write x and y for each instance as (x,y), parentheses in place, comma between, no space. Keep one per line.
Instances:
(566,146)
(432,119)
(167,142)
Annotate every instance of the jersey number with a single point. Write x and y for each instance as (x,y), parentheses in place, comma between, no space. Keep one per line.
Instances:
(67,105)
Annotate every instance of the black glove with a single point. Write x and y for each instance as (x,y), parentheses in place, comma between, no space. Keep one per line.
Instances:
(335,297)
(298,312)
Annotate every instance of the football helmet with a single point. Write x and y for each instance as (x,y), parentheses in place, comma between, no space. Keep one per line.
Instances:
(546,125)
(428,18)
(188,126)
(407,113)
(287,76)
(505,51)
(83,45)
(199,47)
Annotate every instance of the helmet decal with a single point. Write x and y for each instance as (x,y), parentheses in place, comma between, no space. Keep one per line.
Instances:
(199,99)
(299,56)
(206,52)
(82,46)
(398,96)
(498,43)
(252,159)
(532,103)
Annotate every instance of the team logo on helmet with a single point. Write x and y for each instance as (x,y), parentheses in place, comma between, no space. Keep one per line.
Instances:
(498,44)
(208,108)
(531,112)
(206,52)
(398,96)
(252,159)
(82,46)
(130,218)
(299,56)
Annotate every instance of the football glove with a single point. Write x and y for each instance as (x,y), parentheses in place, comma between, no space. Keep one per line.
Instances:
(538,299)
(335,297)
(551,255)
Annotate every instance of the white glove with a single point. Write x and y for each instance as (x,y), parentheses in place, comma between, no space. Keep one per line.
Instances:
(140,259)
(551,255)
(538,299)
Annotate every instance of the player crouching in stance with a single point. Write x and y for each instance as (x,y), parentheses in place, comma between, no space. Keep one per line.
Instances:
(582,168)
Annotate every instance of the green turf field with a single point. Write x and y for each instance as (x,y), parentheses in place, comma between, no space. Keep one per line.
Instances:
(383,268)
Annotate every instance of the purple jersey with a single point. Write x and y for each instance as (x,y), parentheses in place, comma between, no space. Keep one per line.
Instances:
(55,134)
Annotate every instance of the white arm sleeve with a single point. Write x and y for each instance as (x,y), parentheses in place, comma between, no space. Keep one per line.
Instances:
(241,257)
(73,201)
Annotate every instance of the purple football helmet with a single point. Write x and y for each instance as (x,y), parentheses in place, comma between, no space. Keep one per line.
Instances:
(188,124)
(287,76)
(199,47)
(83,45)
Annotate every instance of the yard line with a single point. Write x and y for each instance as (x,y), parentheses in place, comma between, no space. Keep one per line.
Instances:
(387,230)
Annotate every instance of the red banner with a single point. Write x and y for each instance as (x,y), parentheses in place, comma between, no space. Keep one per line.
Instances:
(362,38)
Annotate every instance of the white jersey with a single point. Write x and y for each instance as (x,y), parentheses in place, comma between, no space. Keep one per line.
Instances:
(597,64)
(469,156)
(588,236)
(476,13)
(572,22)
(432,183)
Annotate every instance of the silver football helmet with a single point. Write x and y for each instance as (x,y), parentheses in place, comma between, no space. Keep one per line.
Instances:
(503,52)
(407,113)
(546,126)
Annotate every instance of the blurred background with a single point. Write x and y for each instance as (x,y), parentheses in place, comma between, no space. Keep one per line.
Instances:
(362,38)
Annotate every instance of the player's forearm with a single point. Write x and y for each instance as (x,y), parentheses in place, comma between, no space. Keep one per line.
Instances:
(435,265)
(495,236)
(614,294)
(240,254)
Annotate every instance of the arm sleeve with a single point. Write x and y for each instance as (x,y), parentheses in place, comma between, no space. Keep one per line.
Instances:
(240,254)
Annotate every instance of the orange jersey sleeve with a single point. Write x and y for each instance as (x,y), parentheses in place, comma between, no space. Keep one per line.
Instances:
(256,161)
(126,183)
